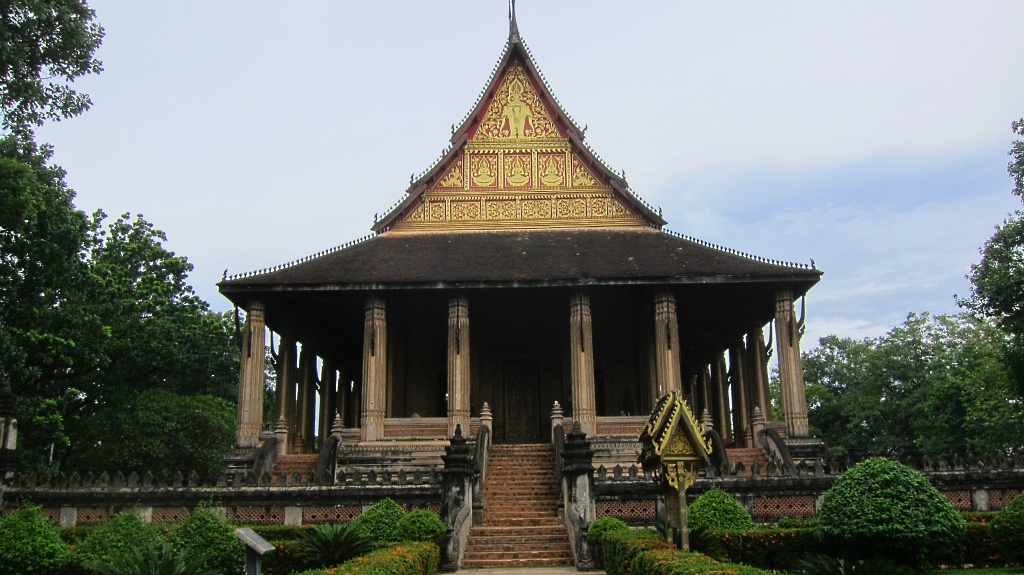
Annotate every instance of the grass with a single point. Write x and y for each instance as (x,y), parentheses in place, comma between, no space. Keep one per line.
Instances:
(989,571)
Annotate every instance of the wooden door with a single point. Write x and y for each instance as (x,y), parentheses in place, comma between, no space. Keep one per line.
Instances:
(522,402)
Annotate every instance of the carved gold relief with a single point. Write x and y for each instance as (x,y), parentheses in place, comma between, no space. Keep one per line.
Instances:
(518,169)
(501,210)
(516,112)
(416,214)
(599,207)
(581,176)
(536,209)
(484,170)
(453,177)
(465,210)
(551,169)
(572,208)
(437,212)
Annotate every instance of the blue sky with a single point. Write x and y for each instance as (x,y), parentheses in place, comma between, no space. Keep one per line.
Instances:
(870,136)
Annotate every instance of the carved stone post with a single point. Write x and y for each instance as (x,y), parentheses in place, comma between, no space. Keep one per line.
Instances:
(285,395)
(757,369)
(666,342)
(328,384)
(457,499)
(251,378)
(556,419)
(581,342)
(458,364)
(791,377)
(375,369)
(737,379)
(306,401)
(579,496)
(720,397)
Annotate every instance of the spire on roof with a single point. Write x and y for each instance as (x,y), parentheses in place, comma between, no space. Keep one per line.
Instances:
(513,28)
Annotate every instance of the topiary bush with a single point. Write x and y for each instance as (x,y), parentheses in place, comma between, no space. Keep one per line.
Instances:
(883,508)
(211,537)
(604,525)
(119,538)
(419,525)
(716,510)
(31,545)
(380,521)
(407,558)
(1008,530)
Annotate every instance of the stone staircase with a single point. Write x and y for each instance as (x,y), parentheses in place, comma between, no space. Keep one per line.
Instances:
(520,527)
(748,455)
(289,465)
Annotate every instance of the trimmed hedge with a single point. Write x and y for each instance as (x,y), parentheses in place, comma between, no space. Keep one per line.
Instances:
(883,508)
(646,553)
(409,558)
(604,525)
(777,549)
(119,538)
(380,520)
(205,534)
(716,510)
(419,525)
(30,544)
(1008,529)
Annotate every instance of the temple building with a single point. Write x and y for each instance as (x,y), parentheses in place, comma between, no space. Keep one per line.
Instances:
(516,272)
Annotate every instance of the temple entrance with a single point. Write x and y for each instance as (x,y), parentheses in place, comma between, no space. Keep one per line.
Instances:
(522,402)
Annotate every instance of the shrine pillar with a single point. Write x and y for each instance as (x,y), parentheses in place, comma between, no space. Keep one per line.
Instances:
(250,378)
(285,389)
(328,394)
(791,377)
(738,381)
(757,375)
(720,392)
(306,400)
(666,343)
(375,369)
(458,364)
(581,342)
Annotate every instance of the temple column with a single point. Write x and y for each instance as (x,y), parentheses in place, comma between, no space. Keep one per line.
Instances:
(375,367)
(328,384)
(720,390)
(306,400)
(285,389)
(251,378)
(581,342)
(666,338)
(737,378)
(757,375)
(458,364)
(791,377)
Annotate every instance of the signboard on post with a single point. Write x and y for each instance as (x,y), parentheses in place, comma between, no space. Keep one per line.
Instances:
(674,448)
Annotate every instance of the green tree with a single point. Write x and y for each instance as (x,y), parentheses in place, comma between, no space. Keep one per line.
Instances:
(998,279)
(931,386)
(44,46)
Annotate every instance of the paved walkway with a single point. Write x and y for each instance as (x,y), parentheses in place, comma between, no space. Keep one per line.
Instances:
(528,571)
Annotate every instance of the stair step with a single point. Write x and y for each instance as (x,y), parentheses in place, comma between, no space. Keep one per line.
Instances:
(514,563)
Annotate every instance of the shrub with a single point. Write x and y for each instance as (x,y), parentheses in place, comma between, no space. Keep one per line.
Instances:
(332,544)
(151,559)
(1008,529)
(419,525)
(604,525)
(716,510)
(119,537)
(409,558)
(30,544)
(380,520)
(621,547)
(645,553)
(881,507)
(777,549)
(825,565)
(204,534)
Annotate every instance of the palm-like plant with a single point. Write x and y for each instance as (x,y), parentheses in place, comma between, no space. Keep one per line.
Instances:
(152,560)
(332,544)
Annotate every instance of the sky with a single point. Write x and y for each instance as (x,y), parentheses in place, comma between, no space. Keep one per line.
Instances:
(869,136)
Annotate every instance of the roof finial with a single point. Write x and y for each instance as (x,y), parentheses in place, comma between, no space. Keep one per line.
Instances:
(513,28)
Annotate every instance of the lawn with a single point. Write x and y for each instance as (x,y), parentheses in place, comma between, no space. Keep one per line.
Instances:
(990,571)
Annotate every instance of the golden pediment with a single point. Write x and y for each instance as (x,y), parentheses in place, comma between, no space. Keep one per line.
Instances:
(516,113)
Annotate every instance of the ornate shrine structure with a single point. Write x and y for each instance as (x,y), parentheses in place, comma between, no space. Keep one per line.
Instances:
(518,271)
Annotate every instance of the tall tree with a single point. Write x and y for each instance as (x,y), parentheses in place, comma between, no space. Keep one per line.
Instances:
(998,280)
(44,46)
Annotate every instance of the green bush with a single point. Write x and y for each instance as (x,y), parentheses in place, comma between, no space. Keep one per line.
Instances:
(825,565)
(332,544)
(716,510)
(281,532)
(645,553)
(619,548)
(118,538)
(380,521)
(604,525)
(31,545)
(777,549)
(980,548)
(883,508)
(151,560)
(408,558)
(1008,529)
(419,525)
(204,534)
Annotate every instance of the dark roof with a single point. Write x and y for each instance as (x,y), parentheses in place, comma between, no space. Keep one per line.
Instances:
(521,258)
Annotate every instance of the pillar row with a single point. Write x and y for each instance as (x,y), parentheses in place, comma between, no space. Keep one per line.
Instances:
(250,378)
(581,341)
(666,342)
(458,364)
(738,386)
(791,377)
(375,372)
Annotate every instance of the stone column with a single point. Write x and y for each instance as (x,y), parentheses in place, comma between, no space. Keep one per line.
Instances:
(578,496)
(306,401)
(456,500)
(581,353)
(251,378)
(328,383)
(666,342)
(720,390)
(375,367)
(757,374)
(285,389)
(791,377)
(737,379)
(458,364)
